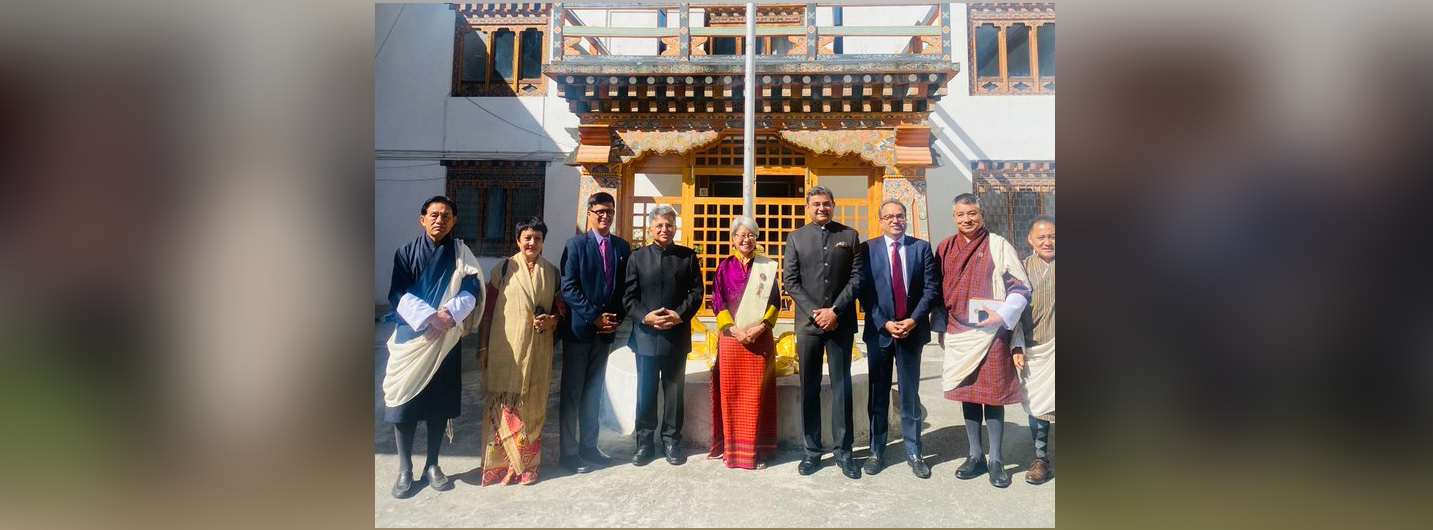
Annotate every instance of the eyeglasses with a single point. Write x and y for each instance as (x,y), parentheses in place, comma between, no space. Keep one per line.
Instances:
(601,213)
(743,236)
(898,216)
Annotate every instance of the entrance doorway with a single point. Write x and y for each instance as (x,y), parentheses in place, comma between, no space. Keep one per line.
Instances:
(705,188)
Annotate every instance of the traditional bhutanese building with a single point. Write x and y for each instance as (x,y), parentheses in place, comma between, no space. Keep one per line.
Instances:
(517,110)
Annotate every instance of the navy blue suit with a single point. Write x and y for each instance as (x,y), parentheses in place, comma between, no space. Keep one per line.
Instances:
(584,290)
(922,272)
(588,293)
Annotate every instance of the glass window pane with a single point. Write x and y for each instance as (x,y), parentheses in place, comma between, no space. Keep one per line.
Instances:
(987,50)
(475,56)
(1017,49)
(495,214)
(502,56)
(531,54)
(467,199)
(723,46)
(1047,49)
(996,212)
(1027,207)
(524,204)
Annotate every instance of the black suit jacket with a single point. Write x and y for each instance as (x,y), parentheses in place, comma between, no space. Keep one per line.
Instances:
(670,278)
(878,290)
(821,273)
(585,291)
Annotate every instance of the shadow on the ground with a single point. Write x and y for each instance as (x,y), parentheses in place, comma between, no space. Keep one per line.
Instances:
(941,445)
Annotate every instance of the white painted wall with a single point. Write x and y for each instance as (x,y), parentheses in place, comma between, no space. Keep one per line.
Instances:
(968,128)
(657,185)
(416,123)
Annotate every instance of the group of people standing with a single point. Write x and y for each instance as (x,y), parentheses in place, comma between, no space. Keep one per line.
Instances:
(995,324)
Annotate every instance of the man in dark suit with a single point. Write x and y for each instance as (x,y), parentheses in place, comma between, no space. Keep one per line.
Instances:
(594,264)
(664,291)
(822,271)
(900,283)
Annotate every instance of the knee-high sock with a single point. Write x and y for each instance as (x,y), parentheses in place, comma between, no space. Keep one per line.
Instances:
(1040,432)
(435,441)
(972,427)
(995,422)
(403,434)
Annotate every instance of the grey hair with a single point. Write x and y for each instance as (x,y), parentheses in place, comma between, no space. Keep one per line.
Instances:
(662,211)
(742,220)
(891,200)
(969,198)
(819,190)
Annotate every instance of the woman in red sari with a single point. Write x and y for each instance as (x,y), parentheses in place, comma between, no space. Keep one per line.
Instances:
(745,299)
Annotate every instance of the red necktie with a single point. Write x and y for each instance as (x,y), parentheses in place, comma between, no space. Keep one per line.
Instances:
(606,261)
(898,280)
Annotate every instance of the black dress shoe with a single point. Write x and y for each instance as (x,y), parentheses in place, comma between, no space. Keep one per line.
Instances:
(574,464)
(972,468)
(437,479)
(644,455)
(918,466)
(808,465)
(998,477)
(403,485)
(674,453)
(848,467)
(874,465)
(595,456)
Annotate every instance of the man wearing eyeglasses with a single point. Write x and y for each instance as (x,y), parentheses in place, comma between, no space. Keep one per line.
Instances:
(900,283)
(594,266)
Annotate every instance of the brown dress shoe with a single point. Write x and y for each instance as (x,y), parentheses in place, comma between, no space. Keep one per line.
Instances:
(1039,472)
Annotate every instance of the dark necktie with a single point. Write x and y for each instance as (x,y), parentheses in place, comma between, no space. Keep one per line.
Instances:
(898,280)
(605,249)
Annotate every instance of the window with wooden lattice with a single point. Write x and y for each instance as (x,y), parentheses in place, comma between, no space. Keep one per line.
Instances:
(1012,193)
(492,196)
(770,152)
(499,49)
(1012,48)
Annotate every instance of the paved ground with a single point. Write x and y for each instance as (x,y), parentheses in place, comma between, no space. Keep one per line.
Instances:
(704,493)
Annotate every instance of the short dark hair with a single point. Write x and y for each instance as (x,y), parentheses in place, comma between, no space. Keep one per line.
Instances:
(600,197)
(439,199)
(531,223)
(819,190)
(1043,218)
(969,198)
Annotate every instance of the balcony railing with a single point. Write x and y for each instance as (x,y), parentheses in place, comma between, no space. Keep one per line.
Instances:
(929,38)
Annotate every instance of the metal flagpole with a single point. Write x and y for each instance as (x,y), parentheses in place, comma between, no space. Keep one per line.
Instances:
(748,173)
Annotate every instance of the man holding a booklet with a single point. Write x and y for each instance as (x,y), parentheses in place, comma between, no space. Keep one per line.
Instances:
(984,290)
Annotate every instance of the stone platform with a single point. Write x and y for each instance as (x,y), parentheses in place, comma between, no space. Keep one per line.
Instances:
(619,407)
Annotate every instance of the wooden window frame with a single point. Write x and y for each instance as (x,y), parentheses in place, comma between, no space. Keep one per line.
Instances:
(1003,16)
(489,174)
(1010,177)
(517,86)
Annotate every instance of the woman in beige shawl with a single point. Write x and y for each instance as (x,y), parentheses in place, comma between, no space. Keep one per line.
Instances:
(516,356)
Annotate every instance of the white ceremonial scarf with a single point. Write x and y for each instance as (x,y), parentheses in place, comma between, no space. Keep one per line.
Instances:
(412,364)
(1040,381)
(759,282)
(966,350)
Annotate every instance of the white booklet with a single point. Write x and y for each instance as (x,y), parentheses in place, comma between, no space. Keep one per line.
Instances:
(981,309)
